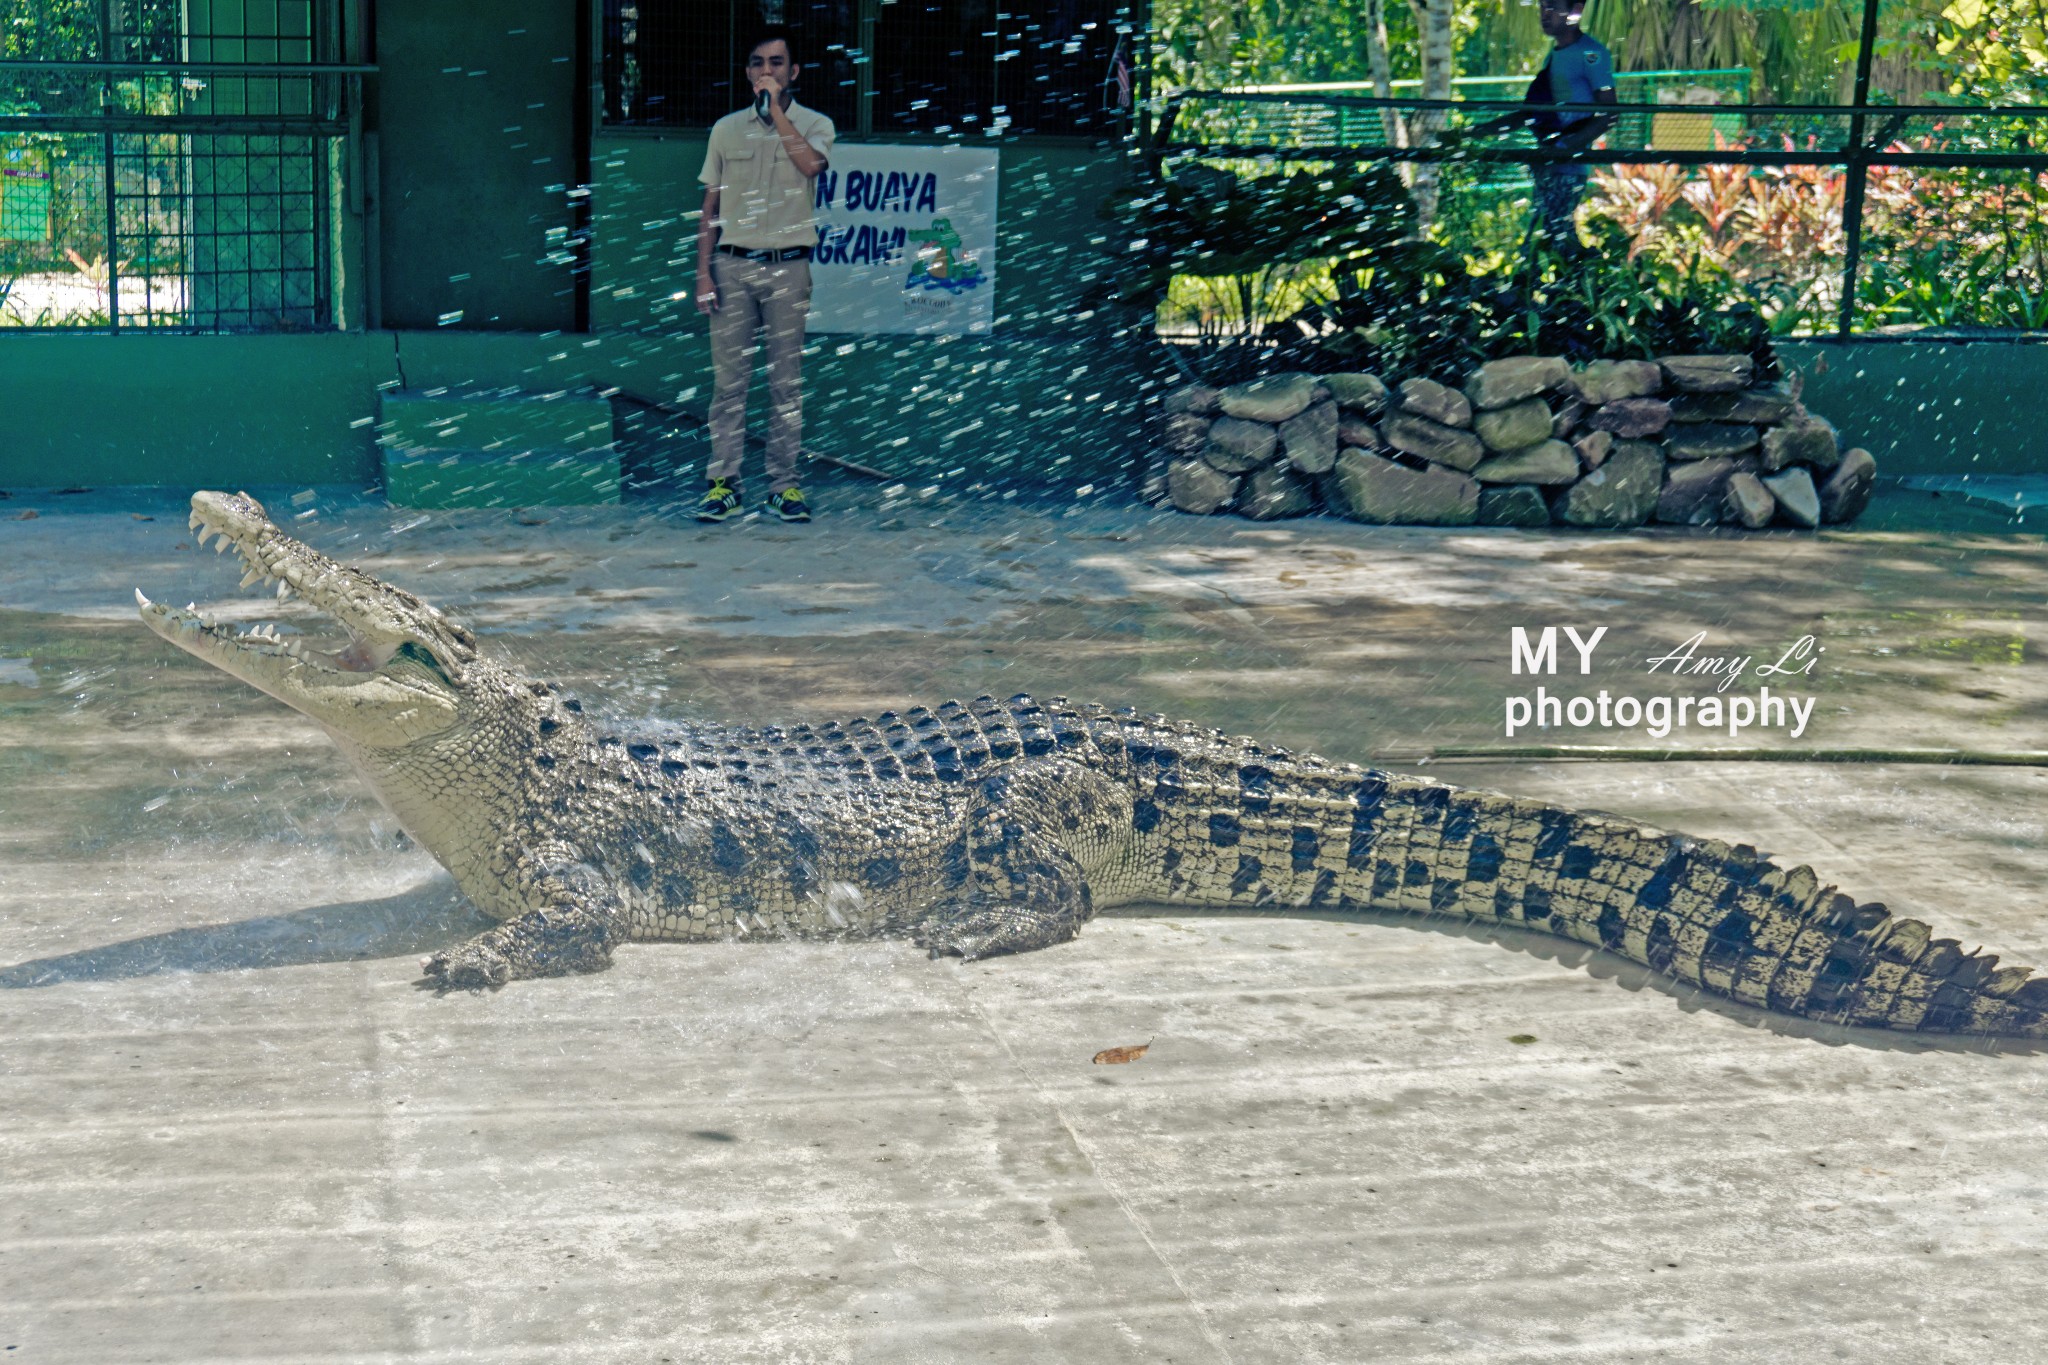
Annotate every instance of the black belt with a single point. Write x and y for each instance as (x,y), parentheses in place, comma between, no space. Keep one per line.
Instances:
(768,255)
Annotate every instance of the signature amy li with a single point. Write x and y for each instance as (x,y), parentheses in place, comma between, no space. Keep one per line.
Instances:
(1687,660)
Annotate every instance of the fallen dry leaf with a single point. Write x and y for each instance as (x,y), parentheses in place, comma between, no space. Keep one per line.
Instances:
(1113,1056)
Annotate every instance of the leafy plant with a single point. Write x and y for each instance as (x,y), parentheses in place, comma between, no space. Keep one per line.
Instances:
(1941,247)
(1252,243)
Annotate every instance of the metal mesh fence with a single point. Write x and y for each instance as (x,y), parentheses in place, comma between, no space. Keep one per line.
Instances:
(1876,221)
(169,164)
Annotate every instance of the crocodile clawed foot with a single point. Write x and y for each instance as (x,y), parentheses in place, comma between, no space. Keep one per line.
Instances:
(992,932)
(469,966)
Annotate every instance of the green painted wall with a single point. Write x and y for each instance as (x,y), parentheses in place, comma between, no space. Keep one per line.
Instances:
(299,408)
(200,410)
(1929,408)
(472,111)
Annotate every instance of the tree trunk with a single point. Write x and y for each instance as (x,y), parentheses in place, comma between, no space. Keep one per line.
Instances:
(1433,18)
(1381,67)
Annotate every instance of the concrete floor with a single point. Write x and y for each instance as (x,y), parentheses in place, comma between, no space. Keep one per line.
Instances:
(235,1129)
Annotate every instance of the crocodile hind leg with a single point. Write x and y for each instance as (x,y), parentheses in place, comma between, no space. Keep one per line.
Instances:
(574,929)
(1026,885)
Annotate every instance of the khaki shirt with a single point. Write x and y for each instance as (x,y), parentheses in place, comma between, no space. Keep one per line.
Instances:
(763,199)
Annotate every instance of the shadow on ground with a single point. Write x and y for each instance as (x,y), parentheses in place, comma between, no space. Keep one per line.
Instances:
(428,917)
(1601,965)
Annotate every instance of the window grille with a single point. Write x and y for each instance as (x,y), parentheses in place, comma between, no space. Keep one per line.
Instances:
(941,68)
(170,164)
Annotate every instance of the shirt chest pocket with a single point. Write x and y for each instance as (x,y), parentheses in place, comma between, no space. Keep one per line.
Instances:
(743,168)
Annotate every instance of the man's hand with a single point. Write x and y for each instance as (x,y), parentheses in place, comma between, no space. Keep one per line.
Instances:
(774,87)
(707,294)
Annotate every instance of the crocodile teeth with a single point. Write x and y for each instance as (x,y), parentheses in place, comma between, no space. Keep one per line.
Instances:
(284,590)
(142,601)
(252,576)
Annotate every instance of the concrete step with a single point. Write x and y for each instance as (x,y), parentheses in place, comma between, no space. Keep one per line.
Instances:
(497,448)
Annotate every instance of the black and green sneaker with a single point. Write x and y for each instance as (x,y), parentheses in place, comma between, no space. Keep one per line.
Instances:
(720,501)
(789,505)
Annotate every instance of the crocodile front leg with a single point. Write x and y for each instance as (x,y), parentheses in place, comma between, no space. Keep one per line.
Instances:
(577,922)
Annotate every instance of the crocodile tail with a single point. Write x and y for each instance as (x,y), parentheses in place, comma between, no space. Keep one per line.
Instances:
(1723,917)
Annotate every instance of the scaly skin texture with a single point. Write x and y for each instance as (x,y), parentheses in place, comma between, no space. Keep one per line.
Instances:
(1001,826)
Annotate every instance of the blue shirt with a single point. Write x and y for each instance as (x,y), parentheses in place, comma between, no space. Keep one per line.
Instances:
(1579,72)
(1572,75)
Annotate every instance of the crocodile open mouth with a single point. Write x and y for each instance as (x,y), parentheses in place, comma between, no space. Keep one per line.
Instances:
(273,563)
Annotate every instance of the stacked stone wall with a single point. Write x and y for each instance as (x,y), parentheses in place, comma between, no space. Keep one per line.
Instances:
(1693,440)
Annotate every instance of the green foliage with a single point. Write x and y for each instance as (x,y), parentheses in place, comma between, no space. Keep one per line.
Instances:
(1214,44)
(1941,247)
(1992,51)
(1212,221)
(1955,248)
(1419,309)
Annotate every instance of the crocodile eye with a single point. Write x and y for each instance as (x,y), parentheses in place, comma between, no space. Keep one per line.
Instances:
(424,657)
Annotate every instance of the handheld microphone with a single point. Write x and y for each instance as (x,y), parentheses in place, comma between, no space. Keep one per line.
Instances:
(763,101)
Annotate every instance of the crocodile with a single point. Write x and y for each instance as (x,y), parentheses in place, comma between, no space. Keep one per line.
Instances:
(998,826)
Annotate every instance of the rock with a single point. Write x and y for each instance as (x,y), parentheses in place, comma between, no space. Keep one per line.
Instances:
(1707,373)
(1695,494)
(1198,399)
(1369,487)
(1199,487)
(1498,383)
(1319,394)
(1798,501)
(1747,501)
(1184,433)
(1513,427)
(1272,399)
(1359,392)
(1356,431)
(1512,505)
(1772,403)
(1568,417)
(1427,398)
(1847,491)
(1593,448)
(1276,491)
(1631,418)
(1610,381)
(1432,440)
(1546,461)
(1236,445)
(1621,492)
(1310,440)
(1708,440)
(1809,442)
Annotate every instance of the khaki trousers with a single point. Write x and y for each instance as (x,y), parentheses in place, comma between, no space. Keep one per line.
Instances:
(757,299)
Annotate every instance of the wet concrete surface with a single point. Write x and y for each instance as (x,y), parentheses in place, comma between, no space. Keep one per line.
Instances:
(237,1129)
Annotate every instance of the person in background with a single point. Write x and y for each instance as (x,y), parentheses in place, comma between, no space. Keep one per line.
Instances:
(754,246)
(1579,70)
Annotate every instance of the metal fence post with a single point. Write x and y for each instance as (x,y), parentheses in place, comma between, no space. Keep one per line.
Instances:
(1858,174)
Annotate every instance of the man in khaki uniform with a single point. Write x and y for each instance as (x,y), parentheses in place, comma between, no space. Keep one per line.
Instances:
(754,272)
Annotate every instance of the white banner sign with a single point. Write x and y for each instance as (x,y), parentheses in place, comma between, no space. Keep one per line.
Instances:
(906,241)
